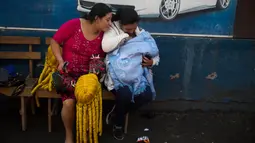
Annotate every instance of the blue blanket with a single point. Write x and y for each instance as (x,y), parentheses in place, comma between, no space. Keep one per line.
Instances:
(125,64)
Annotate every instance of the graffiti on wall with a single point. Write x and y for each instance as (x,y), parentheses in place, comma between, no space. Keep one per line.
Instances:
(164,9)
(177,16)
(211,17)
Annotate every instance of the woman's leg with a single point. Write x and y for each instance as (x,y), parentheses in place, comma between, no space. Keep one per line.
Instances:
(142,99)
(111,114)
(122,106)
(68,116)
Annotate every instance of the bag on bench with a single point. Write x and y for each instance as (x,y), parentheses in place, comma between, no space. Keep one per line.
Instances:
(12,80)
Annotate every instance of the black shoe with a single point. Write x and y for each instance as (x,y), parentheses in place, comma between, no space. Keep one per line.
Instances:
(118,133)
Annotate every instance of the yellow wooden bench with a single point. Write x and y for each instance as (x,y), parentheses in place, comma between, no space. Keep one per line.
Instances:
(17,55)
(53,95)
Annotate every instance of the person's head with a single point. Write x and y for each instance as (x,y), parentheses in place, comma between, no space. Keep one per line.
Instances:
(128,19)
(100,15)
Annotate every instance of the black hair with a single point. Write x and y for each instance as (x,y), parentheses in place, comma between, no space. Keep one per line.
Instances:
(126,16)
(98,10)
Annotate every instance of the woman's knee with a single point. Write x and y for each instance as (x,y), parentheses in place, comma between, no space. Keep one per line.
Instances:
(69,103)
(123,94)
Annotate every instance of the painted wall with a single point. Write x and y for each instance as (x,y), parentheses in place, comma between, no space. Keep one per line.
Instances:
(53,13)
(215,70)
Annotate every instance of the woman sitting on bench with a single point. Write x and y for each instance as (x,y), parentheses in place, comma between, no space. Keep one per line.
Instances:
(131,51)
(80,38)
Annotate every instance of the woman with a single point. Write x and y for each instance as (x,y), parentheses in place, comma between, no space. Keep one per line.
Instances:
(124,28)
(81,39)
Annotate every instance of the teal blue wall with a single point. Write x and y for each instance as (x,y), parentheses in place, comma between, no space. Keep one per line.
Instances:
(192,58)
(53,13)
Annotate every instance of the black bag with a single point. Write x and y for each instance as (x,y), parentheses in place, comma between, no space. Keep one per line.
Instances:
(18,81)
(15,80)
(63,82)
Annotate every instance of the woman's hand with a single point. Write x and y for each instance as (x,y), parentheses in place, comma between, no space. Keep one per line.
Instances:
(147,62)
(60,66)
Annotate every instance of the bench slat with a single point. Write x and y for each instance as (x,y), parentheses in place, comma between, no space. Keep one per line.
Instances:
(7,90)
(27,91)
(107,95)
(47,40)
(20,55)
(40,93)
(20,40)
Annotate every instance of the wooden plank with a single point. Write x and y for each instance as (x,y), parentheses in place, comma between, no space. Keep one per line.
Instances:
(20,40)
(47,40)
(40,93)
(30,63)
(27,91)
(20,55)
(7,91)
(107,95)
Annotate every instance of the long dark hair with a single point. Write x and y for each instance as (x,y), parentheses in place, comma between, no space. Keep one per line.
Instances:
(126,16)
(99,9)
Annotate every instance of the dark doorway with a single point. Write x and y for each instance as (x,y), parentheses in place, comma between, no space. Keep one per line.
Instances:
(245,19)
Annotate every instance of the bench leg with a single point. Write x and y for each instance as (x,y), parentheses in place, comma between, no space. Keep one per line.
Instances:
(55,107)
(49,114)
(33,105)
(126,123)
(23,113)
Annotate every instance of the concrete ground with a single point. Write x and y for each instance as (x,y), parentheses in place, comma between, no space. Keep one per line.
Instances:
(171,127)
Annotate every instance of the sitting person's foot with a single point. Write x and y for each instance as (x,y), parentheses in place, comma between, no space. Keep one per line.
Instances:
(118,133)
(110,116)
(69,141)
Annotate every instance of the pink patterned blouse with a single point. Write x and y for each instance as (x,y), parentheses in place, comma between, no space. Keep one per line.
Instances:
(77,50)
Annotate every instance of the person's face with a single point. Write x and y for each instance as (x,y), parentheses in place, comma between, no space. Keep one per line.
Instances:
(105,22)
(130,28)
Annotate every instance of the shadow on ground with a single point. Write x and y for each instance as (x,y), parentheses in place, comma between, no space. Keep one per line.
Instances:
(171,127)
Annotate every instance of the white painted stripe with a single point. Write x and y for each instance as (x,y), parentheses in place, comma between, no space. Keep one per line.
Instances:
(192,35)
(155,34)
(28,29)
